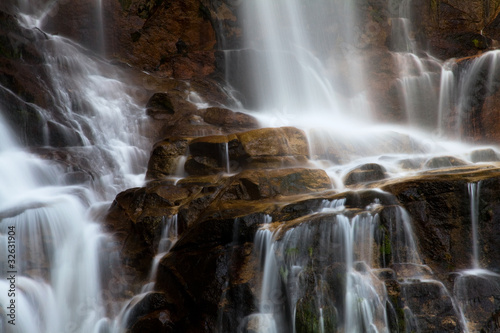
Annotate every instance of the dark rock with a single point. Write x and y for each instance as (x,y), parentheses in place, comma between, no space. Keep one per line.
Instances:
(365,173)
(165,158)
(443,162)
(484,155)
(431,306)
(150,303)
(159,104)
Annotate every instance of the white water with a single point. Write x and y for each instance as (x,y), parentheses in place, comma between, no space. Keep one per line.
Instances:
(60,253)
(474,191)
(298,81)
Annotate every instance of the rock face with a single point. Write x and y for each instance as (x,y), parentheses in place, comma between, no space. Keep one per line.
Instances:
(219,216)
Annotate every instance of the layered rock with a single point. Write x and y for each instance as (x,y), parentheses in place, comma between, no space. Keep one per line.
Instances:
(221,214)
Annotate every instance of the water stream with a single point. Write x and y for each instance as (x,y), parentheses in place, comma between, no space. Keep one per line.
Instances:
(52,280)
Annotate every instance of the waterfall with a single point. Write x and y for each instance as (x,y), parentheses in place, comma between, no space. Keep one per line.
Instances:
(317,276)
(474,190)
(58,253)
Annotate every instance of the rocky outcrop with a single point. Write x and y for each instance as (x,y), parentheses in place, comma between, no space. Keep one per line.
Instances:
(455,28)
(261,148)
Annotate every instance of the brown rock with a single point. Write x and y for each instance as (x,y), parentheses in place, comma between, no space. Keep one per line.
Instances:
(165,158)
(365,173)
(284,141)
(264,184)
(443,162)
(260,148)
(229,119)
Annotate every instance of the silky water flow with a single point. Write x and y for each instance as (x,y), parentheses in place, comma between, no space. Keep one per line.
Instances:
(327,267)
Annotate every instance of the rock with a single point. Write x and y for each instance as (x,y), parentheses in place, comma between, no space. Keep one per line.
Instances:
(159,104)
(365,173)
(440,209)
(285,141)
(451,29)
(150,303)
(482,288)
(484,155)
(431,306)
(198,296)
(265,184)
(443,162)
(136,218)
(166,157)
(158,321)
(260,148)
(229,119)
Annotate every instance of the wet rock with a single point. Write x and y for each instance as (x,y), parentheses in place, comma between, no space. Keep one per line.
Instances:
(440,209)
(284,141)
(450,29)
(365,173)
(412,163)
(443,162)
(198,296)
(228,119)
(166,157)
(152,302)
(263,184)
(159,104)
(308,317)
(260,148)
(158,321)
(484,155)
(431,307)
(136,218)
(473,288)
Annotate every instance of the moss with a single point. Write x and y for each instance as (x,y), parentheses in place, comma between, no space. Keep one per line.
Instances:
(308,317)
(386,246)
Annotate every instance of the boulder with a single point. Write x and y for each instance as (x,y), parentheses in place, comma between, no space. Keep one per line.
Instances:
(484,155)
(443,162)
(166,157)
(260,148)
(229,119)
(365,173)
(159,104)
(284,141)
(136,218)
(265,184)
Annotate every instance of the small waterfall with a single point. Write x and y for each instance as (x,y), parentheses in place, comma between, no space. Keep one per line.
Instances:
(320,270)
(418,77)
(474,190)
(168,239)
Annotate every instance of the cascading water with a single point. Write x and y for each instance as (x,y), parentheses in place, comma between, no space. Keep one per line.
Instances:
(314,82)
(319,275)
(52,279)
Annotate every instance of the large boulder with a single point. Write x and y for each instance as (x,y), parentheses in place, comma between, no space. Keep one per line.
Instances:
(260,148)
